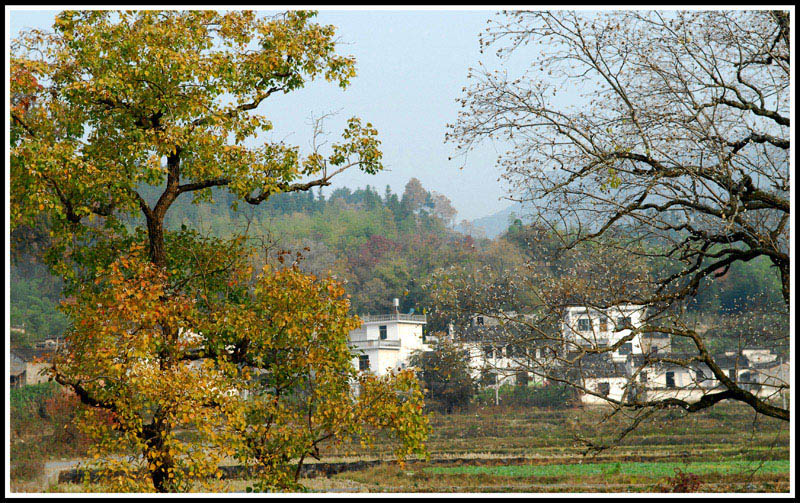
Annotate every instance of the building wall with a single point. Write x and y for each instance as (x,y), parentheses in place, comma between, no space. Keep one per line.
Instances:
(597,335)
(616,387)
(382,359)
(33,373)
(506,368)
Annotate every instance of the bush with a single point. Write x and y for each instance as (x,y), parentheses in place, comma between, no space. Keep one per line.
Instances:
(682,482)
(28,396)
(67,439)
(445,376)
(554,396)
(26,465)
(42,428)
(27,407)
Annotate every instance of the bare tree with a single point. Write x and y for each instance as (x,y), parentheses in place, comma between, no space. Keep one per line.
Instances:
(658,135)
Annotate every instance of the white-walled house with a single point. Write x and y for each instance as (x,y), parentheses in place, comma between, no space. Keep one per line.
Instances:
(28,365)
(498,348)
(507,362)
(385,342)
(592,327)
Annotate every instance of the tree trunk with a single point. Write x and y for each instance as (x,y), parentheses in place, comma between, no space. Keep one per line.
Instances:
(157,454)
(155,233)
(785,279)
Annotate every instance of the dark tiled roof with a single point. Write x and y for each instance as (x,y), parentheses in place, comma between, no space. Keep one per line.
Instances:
(768,365)
(30,354)
(492,334)
(730,361)
(599,365)
(16,369)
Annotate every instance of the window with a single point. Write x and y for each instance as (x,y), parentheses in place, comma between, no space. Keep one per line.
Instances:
(510,351)
(604,388)
(624,322)
(382,331)
(670,379)
(626,348)
(363,362)
(701,376)
(603,324)
(643,377)
(479,320)
(584,324)
(489,351)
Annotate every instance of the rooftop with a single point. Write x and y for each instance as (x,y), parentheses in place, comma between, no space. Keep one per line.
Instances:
(31,354)
(376,318)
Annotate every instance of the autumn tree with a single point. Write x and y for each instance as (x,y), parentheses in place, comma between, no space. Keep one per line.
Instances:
(111,102)
(662,135)
(269,387)
(443,208)
(415,197)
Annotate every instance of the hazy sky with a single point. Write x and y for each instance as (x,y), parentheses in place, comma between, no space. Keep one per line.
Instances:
(412,66)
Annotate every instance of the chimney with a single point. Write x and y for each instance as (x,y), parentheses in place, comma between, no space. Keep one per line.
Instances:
(396,304)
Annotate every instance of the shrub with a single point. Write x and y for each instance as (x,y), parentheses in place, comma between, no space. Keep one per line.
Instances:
(28,396)
(42,427)
(682,482)
(61,410)
(445,376)
(27,466)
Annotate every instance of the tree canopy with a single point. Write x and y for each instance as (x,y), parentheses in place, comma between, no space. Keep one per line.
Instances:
(171,329)
(673,146)
(110,100)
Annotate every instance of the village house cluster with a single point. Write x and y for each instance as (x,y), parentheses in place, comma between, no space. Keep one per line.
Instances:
(636,364)
(632,364)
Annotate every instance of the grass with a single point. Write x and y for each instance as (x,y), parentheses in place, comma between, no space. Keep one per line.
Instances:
(652,469)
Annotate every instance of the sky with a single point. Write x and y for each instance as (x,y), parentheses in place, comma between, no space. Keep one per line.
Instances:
(412,66)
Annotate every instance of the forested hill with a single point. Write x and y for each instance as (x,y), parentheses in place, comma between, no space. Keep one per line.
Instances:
(384,245)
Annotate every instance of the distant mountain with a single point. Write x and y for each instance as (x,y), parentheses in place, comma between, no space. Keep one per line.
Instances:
(492,225)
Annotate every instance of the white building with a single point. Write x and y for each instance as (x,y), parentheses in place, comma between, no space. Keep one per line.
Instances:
(592,327)
(385,342)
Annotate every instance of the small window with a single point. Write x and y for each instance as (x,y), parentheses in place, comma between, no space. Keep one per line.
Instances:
(701,376)
(584,325)
(624,322)
(479,320)
(603,325)
(510,351)
(489,351)
(363,362)
(604,388)
(670,379)
(626,348)
(643,377)
(382,331)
